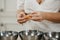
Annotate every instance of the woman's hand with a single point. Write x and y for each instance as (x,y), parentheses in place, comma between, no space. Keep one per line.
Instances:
(21,17)
(37,16)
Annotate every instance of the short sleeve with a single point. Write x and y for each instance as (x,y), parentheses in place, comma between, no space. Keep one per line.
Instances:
(20,4)
(58,5)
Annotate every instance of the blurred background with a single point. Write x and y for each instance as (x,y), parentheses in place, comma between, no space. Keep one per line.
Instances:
(8,20)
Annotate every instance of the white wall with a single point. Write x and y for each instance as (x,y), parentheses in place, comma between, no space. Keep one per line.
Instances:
(8,17)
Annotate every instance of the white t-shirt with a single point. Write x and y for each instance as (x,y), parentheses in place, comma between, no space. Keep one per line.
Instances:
(46,6)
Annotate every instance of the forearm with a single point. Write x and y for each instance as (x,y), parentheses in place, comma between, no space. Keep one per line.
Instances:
(54,17)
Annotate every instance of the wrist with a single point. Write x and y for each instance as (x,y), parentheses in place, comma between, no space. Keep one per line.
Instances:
(44,16)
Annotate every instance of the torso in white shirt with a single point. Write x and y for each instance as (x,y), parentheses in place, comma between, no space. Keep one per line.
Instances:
(45,6)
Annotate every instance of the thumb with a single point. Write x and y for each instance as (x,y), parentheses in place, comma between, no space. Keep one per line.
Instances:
(22,14)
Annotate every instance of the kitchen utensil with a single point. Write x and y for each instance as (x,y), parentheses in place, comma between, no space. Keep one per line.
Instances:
(52,36)
(8,35)
(31,35)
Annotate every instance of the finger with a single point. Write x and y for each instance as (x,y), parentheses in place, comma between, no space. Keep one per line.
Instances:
(27,17)
(22,15)
(23,21)
(19,17)
(33,12)
(35,15)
